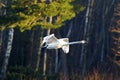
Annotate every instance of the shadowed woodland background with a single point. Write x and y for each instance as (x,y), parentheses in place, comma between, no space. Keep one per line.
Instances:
(99,59)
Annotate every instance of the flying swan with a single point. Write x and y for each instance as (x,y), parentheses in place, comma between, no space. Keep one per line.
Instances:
(51,42)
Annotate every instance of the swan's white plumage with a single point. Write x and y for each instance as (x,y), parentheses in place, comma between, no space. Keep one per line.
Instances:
(64,41)
(51,42)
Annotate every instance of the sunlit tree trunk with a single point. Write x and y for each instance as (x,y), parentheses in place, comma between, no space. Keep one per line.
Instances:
(45,60)
(45,53)
(39,51)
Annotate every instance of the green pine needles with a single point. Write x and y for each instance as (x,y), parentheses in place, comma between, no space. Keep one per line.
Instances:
(28,14)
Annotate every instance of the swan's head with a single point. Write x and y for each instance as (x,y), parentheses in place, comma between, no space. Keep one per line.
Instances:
(83,41)
(46,39)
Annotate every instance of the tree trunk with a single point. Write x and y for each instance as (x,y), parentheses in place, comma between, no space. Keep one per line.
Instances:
(29,55)
(70,29)
(1,39)
(45,54)
(64,69)
(39,52)
(103,33)
(45,60)
(7,53)
(85,30)
(63,61)
(85,36)
(56,61)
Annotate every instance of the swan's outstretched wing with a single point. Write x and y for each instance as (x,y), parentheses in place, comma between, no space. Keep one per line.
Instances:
(52,39)
(64,41)
(49,39)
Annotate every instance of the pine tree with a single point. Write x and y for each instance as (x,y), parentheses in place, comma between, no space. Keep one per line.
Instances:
(30,14)
(115,30)
(27,14)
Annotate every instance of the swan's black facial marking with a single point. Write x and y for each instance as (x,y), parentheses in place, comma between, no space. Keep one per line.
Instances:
(44,45)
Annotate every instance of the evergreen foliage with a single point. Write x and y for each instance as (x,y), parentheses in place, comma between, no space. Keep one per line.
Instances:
(27,14)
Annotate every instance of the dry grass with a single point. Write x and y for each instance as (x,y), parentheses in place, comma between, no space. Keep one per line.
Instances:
(96,75)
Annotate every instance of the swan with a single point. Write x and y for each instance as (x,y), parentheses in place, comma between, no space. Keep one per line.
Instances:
(51,42)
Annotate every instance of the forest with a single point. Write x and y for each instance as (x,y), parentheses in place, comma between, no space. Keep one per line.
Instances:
(25,23)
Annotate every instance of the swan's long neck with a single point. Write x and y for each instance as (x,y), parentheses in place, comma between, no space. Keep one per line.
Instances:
(76,42)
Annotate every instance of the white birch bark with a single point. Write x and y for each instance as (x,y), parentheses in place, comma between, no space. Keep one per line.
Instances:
(7,53)
(70,29)
(85,30)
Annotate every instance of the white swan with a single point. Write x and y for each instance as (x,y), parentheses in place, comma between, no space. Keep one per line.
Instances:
(51,42)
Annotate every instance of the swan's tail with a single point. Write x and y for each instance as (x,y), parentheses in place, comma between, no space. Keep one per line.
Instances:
(65,48)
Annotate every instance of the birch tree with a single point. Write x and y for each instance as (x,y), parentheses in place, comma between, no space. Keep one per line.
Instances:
(27,15)
(86,31)
(8,49)
(7,53)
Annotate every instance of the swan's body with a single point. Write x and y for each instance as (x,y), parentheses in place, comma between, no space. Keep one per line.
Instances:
(51,42)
